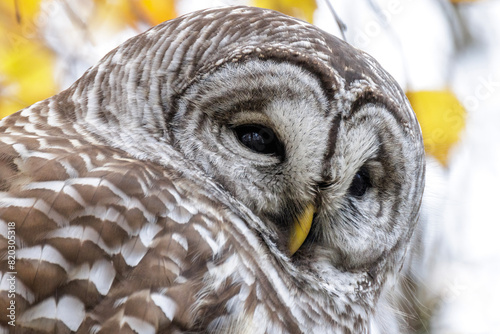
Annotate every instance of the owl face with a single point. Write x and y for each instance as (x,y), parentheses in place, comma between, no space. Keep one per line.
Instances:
(259,130)
(268,134)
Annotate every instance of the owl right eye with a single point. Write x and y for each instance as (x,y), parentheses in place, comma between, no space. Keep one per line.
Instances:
(259,139)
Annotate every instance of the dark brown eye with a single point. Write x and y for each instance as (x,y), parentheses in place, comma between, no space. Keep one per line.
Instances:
(259,139)
(360,183)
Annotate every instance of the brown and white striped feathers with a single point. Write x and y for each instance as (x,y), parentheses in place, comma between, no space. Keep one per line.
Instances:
(171,189)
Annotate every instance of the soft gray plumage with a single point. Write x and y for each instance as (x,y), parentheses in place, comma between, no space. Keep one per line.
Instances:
(160,191)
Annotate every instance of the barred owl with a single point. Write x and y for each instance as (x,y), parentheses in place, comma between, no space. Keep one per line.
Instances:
(234,170)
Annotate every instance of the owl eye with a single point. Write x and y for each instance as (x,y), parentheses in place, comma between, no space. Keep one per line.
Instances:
(360,183)
(259,139)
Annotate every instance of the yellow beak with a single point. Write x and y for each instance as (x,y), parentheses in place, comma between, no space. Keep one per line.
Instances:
(301,228)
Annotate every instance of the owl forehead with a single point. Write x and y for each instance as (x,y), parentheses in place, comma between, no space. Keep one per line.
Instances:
(202,41)
(167,60)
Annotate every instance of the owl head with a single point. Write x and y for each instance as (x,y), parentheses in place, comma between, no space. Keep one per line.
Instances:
(304,137)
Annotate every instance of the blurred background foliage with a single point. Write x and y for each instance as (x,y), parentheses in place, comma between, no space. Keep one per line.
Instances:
(26,63)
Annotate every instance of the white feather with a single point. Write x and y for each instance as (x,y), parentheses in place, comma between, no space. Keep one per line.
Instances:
(166,304)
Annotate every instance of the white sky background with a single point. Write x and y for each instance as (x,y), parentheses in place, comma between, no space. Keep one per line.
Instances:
(415,43)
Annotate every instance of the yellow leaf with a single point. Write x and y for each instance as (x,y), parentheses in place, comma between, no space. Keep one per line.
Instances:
(442,119)
(154,11)
(111,16)
(19,11)
(27,75)
(303,10)
(26,66)
(119,13)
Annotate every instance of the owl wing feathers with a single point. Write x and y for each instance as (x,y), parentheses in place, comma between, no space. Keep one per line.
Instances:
(100,234)
(108,243)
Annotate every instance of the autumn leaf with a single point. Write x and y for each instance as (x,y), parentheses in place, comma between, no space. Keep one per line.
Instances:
(26,65)
(303,10)
(442,119)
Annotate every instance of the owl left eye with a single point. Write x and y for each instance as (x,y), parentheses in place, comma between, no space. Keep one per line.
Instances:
(360,183)
(259,139)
